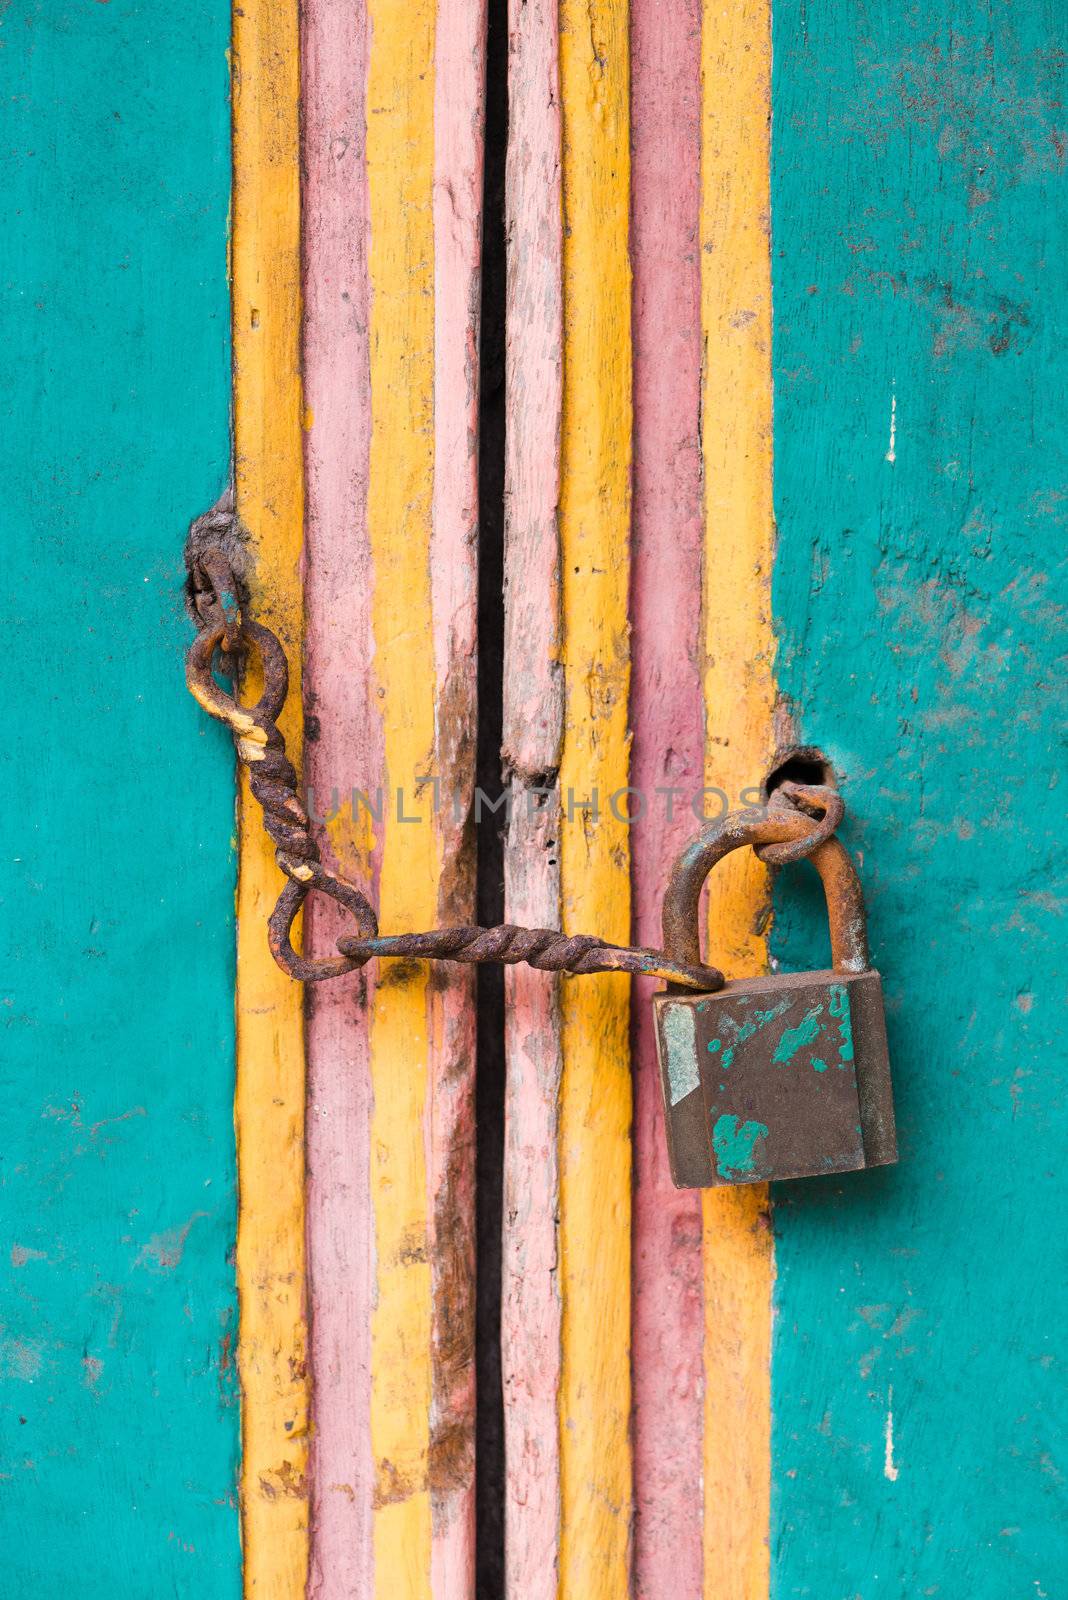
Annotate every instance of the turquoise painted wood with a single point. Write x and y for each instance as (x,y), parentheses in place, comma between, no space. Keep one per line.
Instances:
(120,1422)
(921,285)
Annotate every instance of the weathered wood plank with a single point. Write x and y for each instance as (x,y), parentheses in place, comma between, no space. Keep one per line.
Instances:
(921,325)
(459,125)
(393,153)
(567,1393)
(739,702)
(400,156)
(421,515)
(667,766)
(269,1106)
(347,752)
(595,1099)
(533,731)
(363,598)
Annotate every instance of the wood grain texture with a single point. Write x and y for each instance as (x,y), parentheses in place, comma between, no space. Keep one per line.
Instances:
(400,157)
(667,766)
(459,123)
(533,730)
(391,350)
(423,198)
(740,704)
(269,1106)
(595,1099)
(341,704)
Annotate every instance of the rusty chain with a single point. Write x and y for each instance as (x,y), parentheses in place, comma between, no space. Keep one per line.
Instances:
(215,593)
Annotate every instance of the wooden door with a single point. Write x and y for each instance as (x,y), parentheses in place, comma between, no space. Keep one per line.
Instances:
(640,388)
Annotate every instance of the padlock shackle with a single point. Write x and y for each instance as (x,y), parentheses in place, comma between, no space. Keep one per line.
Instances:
(845,900)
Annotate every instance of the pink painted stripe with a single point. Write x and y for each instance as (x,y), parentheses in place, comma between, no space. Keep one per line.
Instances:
(667,716)
(534,694)
(530,1298)
(339,583)
(533,729)
(459,100)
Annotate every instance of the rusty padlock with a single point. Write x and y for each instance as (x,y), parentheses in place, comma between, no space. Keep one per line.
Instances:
(778,1077)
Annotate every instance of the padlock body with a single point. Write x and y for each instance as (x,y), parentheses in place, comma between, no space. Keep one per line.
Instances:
(779,1077)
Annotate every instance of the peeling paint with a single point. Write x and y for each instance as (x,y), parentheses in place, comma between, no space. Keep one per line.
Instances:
(890,1468)
(165,1249)
(737,1146)
(680,1040)
(795,1039)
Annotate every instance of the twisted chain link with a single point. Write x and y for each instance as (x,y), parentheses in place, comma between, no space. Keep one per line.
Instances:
(215,592)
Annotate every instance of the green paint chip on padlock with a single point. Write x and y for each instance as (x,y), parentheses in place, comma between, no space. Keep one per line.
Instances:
(738,1147)
(794,1039)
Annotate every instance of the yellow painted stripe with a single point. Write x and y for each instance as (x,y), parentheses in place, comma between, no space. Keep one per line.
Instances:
(595,1108)
(739,701)
(269,1109)
(400,162)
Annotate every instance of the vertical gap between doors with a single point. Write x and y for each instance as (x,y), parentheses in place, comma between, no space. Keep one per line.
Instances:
(490,1062)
